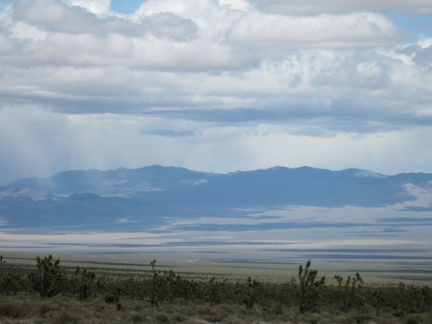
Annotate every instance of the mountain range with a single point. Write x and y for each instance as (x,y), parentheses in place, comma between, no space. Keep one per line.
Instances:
(134,199)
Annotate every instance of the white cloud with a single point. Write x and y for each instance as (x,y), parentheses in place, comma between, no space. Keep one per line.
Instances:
(98,7)
(6,46)
(306,7)
(241,5)
(52,15)
(58,18)
(358,29)
(210,85)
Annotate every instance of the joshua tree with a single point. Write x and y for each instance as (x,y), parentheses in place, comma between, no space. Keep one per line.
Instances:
(83,282)
(309,289)
(350,292)
(49,278)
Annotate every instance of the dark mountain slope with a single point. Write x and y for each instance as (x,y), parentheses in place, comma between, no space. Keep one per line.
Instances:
(302,186)
(143,198)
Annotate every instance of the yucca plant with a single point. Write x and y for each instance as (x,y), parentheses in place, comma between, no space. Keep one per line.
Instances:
(309,288)
(50,278)
(162,285)
(349,292)
(251,294)
(215,290)
(83,283)
(378,300)
(10,281)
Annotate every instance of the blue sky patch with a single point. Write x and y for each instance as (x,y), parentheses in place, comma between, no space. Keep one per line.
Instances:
(125,7)
(3,3)
(418,24)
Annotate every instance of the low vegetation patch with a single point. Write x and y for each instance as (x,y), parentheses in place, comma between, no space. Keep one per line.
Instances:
(51,293)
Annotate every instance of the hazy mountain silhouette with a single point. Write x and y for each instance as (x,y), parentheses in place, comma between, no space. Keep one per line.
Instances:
(124,198)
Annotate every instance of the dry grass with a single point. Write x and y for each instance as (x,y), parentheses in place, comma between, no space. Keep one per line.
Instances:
(26,308)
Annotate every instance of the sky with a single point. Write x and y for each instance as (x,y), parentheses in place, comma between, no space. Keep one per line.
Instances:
(215,85)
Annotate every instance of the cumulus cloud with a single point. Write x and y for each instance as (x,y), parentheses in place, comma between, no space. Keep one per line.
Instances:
(307,7)
(58,17)
(423,56)
(358,29)
(53,15)
(221,80)
(98,7)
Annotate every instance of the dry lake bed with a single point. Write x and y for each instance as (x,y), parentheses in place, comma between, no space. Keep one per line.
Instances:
(383,244)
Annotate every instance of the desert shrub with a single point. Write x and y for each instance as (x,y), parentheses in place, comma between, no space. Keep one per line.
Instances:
(66,317)
(414,319)
(273,308)
(250,293)
(309,288)
(216,290)
(362,318)
(162,318)
(135,288)
(377,300)
(179,318)
(168,285)
(425,299)
(10,282)
(45,308)
(138,318)
(403,299)
(50,278)
(349,292)
(12,309)
(162,285)
(112,297)
(83,283)
(215,299)
(182,287)
(212,314)
(283,293)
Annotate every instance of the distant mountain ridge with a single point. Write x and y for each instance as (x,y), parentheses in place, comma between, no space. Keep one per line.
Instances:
(113,182)
(85,198)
